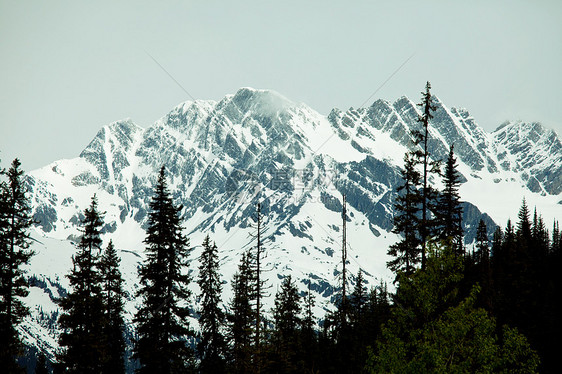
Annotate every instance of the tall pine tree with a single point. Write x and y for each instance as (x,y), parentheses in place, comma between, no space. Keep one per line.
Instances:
(483,265)
(81,338)
(428,192)
(449,209)
(15,221)
(308,332)
(286,316)
(406,220)
(162,320)
(258,291)
(212,343)
(113,324)
(241,319)
(358,298)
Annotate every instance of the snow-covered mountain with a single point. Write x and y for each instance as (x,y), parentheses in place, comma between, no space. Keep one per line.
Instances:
(223,157)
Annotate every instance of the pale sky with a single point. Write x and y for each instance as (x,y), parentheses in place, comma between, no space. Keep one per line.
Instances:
(67,68)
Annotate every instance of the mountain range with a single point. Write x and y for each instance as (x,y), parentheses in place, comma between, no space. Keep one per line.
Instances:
(223,157)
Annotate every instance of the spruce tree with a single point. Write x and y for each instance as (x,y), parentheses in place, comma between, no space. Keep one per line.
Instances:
(241,319)
(503,263)
(257,290)
(308,332)
(358,339)
(483,265)
(113,304)
(428,192)
(162,320)
(81,338)
(523,271)
(358,298)
(449,209)
(378,311)
(524,229)
(15,221)
(482,247)
(416,204)
(556,242)
(406,220)
(287,324)
(212,344)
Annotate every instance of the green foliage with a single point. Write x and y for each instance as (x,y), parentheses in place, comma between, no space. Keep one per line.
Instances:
(432,329)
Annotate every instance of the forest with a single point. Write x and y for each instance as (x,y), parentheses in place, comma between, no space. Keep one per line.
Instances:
(491,308)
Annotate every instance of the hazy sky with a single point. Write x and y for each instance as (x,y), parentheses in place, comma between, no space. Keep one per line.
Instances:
(69,67)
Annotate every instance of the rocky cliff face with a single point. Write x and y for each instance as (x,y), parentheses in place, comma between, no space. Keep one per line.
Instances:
(532,151)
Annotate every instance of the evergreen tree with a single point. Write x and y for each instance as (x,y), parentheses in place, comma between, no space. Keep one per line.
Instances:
(406,220)
(309,335)
(15,221)
(211,317)
(555,245)
(286,333)
(257,290)
(522,273)
(377,313)
(524,229)
(540,243)
(449,209)
(503,262)
(359,334)
(526,284)
(308,320)
(482,247)
(358,300)
(241,319)
(162,320)
(113,326)
(82,309)
(428,193)
(483,265)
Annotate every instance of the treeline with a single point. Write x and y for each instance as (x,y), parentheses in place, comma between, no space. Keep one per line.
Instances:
(488,309)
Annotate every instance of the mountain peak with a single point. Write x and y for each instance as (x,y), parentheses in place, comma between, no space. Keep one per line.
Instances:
(525,132)
(260,100)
